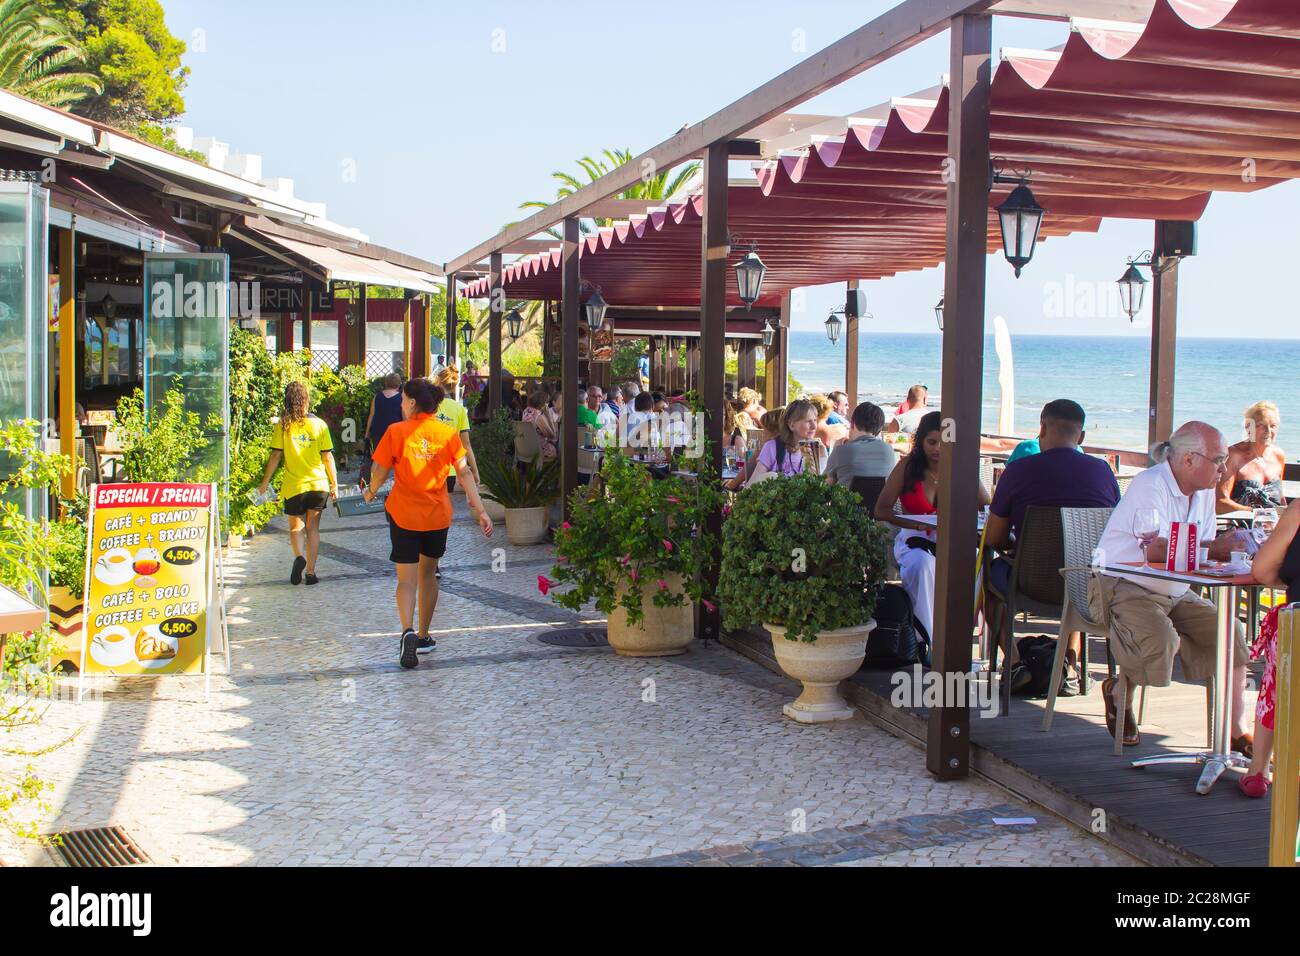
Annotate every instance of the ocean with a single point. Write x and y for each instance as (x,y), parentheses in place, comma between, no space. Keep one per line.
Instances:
(1216,379)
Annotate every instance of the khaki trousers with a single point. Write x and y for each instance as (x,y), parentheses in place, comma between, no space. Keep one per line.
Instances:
(1147,629)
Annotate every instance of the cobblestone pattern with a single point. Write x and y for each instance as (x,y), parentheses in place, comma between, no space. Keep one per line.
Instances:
(318,749)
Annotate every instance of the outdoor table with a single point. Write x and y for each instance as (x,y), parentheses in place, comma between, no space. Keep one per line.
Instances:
(17,614)
(932,521)
(1220,756)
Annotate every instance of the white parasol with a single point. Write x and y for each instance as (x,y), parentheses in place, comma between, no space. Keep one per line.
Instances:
(1006,377)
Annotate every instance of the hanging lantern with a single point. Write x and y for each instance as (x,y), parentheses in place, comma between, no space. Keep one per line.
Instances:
(769,332)
(749,277)
(515,324)
(833,325)
(1020,217)
(938,313)
(1132,288)
(467,333)
(109,305)
(596,306)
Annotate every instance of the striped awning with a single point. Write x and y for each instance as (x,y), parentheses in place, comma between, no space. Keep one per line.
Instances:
(1125,121)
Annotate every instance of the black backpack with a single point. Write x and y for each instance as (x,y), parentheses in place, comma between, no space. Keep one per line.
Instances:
(893,642)
(1037,653)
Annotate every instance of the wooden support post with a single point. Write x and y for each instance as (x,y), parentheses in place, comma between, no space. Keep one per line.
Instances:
(570,309)
(746,364)
(711,354)
(496,302)
(307,289)
(851,351)
(452,332)
(947,752)
(1282,843)
(363,298)
(68,359)
(656,382)
(777,358)
(1164,338)
(284,333)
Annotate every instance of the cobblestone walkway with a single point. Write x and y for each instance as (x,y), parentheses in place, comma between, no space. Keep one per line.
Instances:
(318,749)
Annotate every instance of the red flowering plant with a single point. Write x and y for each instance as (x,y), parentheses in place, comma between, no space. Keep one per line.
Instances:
(629,541)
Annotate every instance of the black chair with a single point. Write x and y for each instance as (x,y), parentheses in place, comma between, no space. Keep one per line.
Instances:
(868,489)
(1036,585)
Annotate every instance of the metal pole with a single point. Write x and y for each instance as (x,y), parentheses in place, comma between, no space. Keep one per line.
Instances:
(947,752)
(711,357)
(571,283)
(68,359)
(851,350)
(453,339)
(1164,333)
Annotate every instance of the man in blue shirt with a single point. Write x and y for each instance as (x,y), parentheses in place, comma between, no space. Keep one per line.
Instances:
(1059,476)
(839,409)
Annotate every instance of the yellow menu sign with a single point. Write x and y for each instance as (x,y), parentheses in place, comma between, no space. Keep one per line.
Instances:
(149,579)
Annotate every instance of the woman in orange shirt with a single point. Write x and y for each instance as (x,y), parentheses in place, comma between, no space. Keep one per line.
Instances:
(420,451)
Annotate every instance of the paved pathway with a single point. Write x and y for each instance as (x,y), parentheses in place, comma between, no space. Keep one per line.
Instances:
(319,749)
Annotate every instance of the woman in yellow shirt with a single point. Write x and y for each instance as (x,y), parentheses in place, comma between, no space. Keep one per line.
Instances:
(302,441)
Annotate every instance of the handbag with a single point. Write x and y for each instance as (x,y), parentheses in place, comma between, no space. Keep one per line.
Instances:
(893,642)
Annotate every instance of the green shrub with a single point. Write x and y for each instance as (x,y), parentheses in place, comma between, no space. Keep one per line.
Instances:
(493,440)
(536,486)
(802,554)
(164,443)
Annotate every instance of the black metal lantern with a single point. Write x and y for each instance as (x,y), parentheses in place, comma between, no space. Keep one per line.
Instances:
(515,324)
(467,333)
(833,326)
(769,333)
(1020,217)
(749,276)
(109,306)
(938,313)
(1132,289)
(595,307)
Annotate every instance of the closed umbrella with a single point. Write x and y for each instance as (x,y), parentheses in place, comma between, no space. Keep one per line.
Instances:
(1006,377)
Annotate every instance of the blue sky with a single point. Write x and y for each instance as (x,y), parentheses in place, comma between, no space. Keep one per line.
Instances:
(452,114)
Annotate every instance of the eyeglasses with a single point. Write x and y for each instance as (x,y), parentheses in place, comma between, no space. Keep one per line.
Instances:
(1220,462)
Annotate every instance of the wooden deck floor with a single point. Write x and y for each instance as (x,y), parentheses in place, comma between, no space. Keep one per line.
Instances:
(1153,813)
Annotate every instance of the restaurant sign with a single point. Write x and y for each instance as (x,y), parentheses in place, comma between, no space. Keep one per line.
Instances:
(151,589)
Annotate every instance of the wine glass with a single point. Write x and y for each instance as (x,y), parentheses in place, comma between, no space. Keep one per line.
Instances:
(730,455)
(1146,528)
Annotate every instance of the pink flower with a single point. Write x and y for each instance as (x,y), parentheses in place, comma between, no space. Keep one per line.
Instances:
(671,500)
(663,585)
(668,546)
(625,559)
(726,511)
(543,584)
(634,574)
(566,526)
(708,605)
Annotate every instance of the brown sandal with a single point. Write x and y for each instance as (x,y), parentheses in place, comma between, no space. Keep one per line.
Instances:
(1131,736)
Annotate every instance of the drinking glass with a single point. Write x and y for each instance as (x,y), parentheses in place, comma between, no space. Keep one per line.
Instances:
(1146,528)
(1262,523)
(730,456)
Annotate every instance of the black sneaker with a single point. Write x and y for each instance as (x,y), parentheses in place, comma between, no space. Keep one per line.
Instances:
(299,564)
(310,579)
(1021,677)
(424,645)
(408,660)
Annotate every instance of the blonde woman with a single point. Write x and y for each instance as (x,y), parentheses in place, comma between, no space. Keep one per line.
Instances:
(752,403)
(829,435)
(302,441)
(1255,466)
(783,455)
(735,425)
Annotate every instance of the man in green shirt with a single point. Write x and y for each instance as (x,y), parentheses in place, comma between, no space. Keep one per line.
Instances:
(585,415)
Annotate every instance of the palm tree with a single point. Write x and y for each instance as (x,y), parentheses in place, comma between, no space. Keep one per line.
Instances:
(38,57)
(661,186)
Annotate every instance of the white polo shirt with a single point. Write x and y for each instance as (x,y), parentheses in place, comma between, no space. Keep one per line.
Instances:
(1156,488)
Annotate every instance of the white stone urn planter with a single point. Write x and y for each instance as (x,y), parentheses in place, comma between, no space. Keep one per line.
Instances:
(820,666)
(494,509)
(526,525)
(663,632)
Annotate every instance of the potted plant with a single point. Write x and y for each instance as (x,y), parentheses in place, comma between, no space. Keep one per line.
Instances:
(493,441)
(636,550)
(525,494)
(67,563)
(803,559)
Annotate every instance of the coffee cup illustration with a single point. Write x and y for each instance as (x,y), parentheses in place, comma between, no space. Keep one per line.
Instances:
(112,647)
(114,567)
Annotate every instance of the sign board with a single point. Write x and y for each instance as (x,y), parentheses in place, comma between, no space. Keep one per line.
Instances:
(602,344)
(151,590)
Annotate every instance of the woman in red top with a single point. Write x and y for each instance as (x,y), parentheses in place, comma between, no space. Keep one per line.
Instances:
(914,485)
(420,451)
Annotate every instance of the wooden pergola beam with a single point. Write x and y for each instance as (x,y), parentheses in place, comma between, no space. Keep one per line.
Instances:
(570,309)
(893,31)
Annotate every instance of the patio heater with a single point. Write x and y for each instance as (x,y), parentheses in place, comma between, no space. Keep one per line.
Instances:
(515,324)
(938,313)
(749,273)
(595,309)
(1020,218)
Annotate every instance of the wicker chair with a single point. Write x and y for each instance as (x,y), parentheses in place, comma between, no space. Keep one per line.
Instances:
(1035,585)
(528,447)
(986,474)
(868,490)
(1081,531)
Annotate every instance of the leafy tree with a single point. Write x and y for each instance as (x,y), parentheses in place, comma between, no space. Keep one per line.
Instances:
(39,59)
(660,186)
(138,60)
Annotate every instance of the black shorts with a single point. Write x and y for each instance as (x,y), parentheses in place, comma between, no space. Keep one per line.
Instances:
(299,505)
(409,546)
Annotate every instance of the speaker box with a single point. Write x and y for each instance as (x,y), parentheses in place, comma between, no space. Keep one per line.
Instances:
(1176,238)
(855,303)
